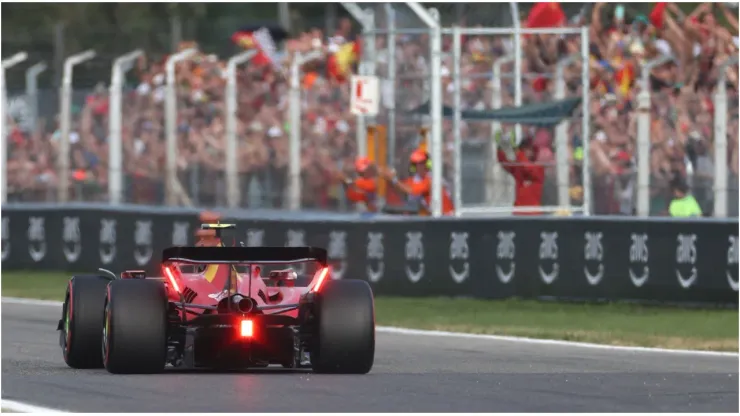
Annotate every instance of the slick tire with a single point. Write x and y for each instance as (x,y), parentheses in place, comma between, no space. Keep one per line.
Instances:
(344,339)
(81,327)
(134,337)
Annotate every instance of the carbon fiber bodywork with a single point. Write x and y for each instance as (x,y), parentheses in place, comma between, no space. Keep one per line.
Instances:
(215,341)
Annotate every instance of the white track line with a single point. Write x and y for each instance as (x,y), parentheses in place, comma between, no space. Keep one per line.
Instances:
(423,332)
(33,302)
(22,407)
(407,331)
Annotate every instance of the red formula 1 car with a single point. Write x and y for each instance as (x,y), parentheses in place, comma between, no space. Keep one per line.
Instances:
(214,307)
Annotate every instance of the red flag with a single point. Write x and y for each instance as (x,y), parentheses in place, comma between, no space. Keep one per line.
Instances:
(546,14)
(246,41)
(656,16)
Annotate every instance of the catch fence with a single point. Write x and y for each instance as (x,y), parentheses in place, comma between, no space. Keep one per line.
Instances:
(253,156)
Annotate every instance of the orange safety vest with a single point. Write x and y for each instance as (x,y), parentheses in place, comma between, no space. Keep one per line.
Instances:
(421,191)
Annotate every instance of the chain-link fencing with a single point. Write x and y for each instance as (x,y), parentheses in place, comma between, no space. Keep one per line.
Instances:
(488,82)
(402,60)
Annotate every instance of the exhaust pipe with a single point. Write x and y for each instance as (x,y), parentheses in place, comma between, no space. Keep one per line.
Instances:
(242,304)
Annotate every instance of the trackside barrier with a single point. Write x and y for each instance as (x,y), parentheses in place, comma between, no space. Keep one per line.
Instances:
(604,258)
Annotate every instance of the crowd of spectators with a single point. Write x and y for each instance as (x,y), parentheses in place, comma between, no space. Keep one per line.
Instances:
(681,130)
(621,43)
(682,91)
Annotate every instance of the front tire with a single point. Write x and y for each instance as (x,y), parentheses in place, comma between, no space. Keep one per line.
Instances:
(82,321)
(135,327)
(344,342)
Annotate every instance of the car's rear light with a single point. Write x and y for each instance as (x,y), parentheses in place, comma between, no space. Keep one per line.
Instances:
(246,328)
(323,273)
(170,275)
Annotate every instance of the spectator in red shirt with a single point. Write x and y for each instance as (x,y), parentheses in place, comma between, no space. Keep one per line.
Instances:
(528,175)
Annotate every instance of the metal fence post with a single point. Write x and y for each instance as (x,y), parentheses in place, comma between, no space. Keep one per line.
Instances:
(720,140)
(361,16)
(643,153)
(493,172)
(7,63)
(368,29)
(643,137)
(32,82)
(171,124)
(431,18)
(457,120)
(121,65)
(561,137)
(436,105)
(294,147)
(390,13)
(233,190)
(66,120)
(517,64)
(585,122)
(294,161)
(366,67)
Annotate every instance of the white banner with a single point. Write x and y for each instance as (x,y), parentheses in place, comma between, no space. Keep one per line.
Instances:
(266,43)
(365,100)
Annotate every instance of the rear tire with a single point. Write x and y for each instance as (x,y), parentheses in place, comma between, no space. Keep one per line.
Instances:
(344,342)
(134,337)
(81,327)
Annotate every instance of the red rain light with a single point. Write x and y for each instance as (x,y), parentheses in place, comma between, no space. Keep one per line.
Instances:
(170,275)
(320,279)
(246,328)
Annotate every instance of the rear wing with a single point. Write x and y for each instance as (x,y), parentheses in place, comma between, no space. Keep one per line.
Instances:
(228,255)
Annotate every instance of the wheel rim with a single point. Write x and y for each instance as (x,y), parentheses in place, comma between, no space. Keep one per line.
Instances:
(67,328)
(106,330)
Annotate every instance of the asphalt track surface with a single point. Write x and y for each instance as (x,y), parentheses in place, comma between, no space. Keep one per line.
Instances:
(411,374)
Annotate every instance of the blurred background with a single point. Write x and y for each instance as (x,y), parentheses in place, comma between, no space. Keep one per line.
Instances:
(695,41)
